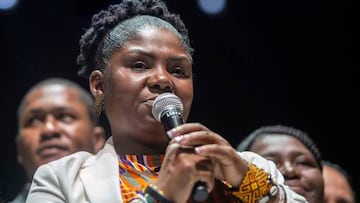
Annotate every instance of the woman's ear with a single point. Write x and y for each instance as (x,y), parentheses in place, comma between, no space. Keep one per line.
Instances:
(96,83)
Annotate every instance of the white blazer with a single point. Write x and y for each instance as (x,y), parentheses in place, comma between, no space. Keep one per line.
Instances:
(85,177)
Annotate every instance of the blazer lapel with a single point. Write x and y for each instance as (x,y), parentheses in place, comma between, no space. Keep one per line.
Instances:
(100,176)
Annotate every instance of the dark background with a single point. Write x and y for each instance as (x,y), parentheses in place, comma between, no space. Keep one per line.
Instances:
(260,62)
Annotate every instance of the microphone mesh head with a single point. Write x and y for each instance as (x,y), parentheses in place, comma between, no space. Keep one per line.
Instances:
(165,101)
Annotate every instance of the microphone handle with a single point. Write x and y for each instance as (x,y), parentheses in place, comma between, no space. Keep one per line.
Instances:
(199,192)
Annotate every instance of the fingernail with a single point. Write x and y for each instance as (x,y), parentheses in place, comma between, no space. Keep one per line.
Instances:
(179,138)
(171,133)
(198,150)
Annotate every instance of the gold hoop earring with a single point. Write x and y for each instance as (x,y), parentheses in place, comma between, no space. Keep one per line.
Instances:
(99,105)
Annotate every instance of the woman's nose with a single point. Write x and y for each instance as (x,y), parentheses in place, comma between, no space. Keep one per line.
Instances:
(161,80)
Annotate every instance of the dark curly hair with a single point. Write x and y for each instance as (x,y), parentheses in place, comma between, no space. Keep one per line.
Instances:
(304,138)
(95,50)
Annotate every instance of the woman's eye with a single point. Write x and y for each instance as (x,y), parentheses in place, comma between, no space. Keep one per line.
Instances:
(179,71)
(138,66)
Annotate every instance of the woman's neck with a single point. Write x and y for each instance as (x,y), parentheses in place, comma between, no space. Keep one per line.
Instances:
(127,145)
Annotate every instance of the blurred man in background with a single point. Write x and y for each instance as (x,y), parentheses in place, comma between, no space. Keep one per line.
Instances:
(55,118)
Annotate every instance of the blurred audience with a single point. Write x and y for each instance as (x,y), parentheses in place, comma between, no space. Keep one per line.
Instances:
(55,118)
(295,154)
(338,187)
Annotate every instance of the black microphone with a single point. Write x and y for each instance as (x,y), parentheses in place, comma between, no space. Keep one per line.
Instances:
(168,109)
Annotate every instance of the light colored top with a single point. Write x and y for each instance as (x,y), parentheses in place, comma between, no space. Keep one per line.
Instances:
(85,177)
